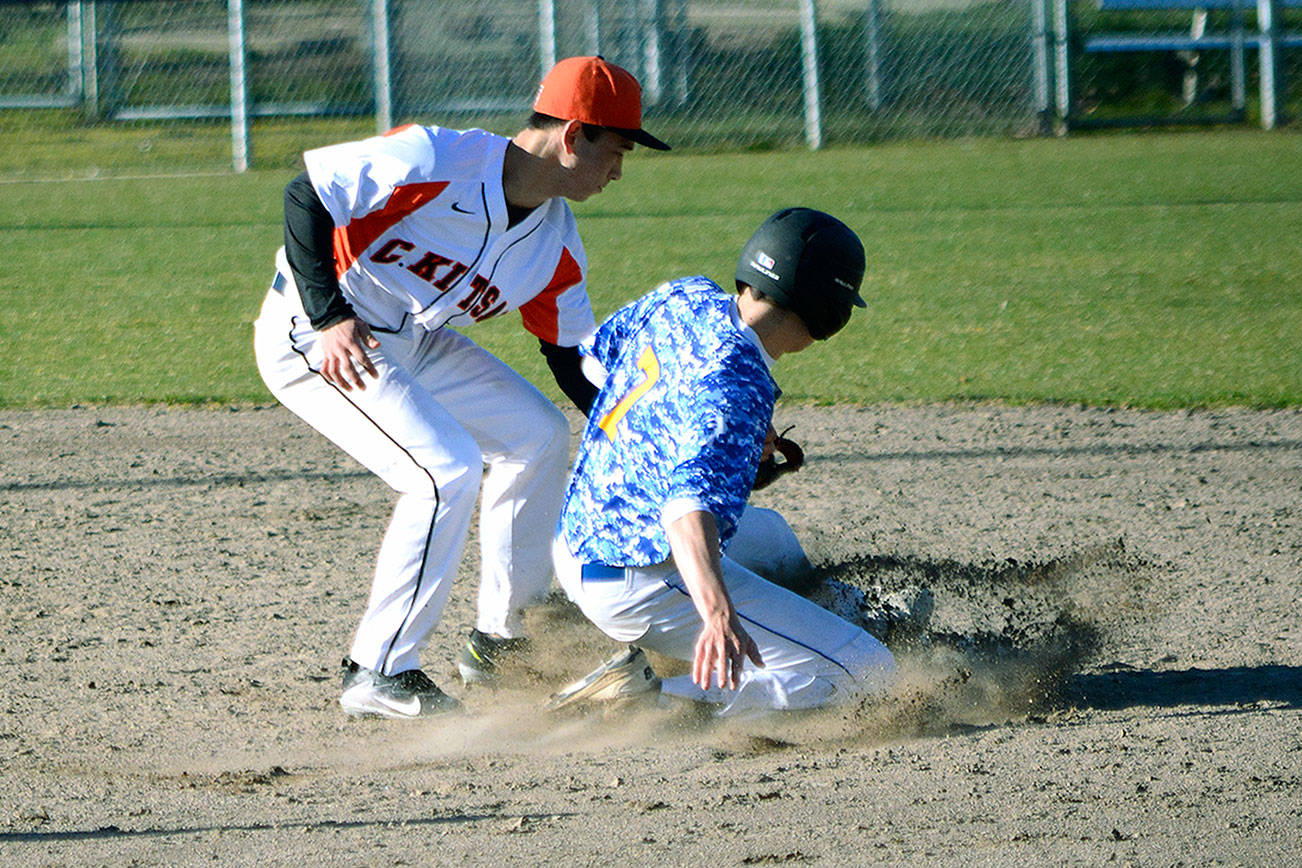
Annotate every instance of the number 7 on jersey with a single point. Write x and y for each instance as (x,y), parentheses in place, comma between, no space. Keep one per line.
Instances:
(650,367)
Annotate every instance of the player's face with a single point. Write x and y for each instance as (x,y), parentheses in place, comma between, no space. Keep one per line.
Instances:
(594,164)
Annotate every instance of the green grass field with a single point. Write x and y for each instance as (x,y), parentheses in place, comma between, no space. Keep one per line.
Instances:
(1156,270)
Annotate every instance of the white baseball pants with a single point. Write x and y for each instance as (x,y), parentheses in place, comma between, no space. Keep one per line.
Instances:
(811,657)
(441,410)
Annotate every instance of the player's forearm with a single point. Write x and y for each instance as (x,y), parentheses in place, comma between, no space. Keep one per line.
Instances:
(694,541)
(722,646)
(309,247)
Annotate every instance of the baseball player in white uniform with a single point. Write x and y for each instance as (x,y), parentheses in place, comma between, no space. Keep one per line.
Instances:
(389,242)
(667,462)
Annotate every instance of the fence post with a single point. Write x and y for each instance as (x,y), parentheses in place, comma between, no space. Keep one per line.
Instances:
(809,55)
(75,86)
(593,29)
(105,64)
(1040,65)
(652,26)
(679,51)
(383,66)
(239,86)
(546,35)
(1238,76)
(1061,65)
(88,59)
(872,39)
(1268,24)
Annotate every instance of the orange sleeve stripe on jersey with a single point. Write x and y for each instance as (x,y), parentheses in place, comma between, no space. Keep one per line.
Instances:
(541,314)
(353,239)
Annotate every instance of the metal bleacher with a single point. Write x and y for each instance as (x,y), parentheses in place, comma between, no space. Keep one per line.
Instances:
(1196,39)
(1266,38)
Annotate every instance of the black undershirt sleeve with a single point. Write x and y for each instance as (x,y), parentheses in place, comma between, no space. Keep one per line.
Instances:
(309,247)
(567,367)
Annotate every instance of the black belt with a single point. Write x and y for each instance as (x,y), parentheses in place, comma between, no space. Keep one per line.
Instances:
(600,571)
(278,283)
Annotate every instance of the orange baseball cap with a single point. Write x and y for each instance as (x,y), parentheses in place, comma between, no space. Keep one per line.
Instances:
(597,92)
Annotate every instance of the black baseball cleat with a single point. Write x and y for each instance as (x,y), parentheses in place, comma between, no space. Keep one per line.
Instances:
(482,654)
(410,694)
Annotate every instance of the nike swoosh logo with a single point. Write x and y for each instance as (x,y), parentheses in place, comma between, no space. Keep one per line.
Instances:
(409,707)
(456,206)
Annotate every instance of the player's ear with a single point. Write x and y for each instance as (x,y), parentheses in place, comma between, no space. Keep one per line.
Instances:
(569,135)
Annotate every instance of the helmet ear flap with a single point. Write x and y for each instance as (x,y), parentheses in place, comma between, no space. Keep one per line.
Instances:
(829,320)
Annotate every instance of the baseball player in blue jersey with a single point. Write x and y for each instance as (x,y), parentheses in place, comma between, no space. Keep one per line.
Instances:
(390,244)
(665,467)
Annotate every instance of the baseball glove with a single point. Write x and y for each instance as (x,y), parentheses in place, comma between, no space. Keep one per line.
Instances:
(771,468)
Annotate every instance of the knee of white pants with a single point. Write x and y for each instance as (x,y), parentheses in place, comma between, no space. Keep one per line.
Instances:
(766,545)
(550,437)
(451,469)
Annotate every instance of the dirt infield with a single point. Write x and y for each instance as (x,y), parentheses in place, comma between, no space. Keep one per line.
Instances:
(1112,671)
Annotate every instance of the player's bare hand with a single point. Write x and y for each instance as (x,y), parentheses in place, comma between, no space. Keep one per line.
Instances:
(721,651)
(343,347)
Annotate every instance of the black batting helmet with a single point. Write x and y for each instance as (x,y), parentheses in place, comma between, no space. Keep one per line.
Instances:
(809,263)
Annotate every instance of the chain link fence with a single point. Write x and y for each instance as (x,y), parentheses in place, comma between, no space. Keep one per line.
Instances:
(118,87)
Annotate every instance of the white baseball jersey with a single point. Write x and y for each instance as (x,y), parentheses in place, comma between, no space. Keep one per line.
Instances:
(422,233)
(422,239)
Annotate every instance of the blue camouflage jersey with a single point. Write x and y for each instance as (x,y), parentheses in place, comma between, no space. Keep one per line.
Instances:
(679,424)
